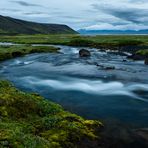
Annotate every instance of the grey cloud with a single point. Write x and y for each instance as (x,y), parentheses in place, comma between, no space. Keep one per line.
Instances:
(71,17)
(133,15)
(80,13)
(33,13)
(23,3)
(11,10)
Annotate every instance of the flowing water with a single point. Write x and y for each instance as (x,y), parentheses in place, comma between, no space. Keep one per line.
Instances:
(84,85)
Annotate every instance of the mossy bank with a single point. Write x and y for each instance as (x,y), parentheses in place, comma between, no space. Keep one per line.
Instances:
(8,52)
(28,120)
(115,42)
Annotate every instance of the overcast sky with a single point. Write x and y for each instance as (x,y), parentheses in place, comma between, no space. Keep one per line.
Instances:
(78,14)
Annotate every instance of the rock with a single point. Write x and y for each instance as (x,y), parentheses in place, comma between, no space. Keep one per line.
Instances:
(16,54)
(124,60)
(146,61)
(84,53)
(136,57)
(109,68)
(143,133)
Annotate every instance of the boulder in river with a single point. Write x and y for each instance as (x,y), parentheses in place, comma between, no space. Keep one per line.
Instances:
(109,68)
(146,61)
(124,60)
(84,53)
(136,57)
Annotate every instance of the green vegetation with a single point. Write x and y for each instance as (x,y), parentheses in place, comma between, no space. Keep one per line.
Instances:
(77,40)
(38,39)
(28,120)
(143,52)
(11,26)
(8,52)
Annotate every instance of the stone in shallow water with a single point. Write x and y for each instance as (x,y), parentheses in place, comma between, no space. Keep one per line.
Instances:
(143,133)
(124,60)
(84,53)
(136,57)
(146,61)
(107,67)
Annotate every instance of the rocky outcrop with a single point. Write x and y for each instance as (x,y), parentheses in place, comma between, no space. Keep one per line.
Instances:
(84,53)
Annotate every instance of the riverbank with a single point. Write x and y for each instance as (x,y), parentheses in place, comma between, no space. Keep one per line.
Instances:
(28,120)
(9,52)
(134,44)
(103,41)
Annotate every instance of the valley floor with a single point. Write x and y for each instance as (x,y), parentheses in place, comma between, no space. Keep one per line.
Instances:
(28,120)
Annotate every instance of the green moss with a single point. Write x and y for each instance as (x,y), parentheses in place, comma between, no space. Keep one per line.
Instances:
(81,42)
(143,52)
(28,120)
(8,52)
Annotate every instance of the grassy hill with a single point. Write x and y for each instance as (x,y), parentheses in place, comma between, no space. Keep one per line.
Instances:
(10,26)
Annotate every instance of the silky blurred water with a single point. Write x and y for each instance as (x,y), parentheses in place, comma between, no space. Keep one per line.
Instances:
(84,87)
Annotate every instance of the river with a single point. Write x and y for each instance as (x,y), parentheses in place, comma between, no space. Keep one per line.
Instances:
(84,85)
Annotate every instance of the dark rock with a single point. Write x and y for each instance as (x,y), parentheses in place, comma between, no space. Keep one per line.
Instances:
(143,133)
(109,68)
(136,57)
(146,61)
(84,53)
(16,54)
(124,60)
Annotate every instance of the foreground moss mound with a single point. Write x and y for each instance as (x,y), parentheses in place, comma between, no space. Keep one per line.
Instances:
(28,120)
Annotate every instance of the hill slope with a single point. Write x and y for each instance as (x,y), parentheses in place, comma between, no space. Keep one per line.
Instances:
(10,25)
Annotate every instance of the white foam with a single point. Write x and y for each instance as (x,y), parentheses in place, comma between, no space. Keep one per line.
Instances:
(71,50)
(28,62)
(19,62)
(90,86)
(15,62)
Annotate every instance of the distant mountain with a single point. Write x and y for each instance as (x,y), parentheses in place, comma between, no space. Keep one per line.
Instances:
(97,32)
(10,25)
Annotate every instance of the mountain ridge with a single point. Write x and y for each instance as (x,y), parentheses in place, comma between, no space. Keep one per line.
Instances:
(9,25)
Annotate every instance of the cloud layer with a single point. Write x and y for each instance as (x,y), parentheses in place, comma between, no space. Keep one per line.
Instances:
(88,14)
